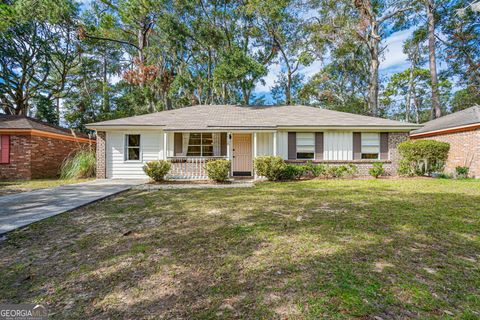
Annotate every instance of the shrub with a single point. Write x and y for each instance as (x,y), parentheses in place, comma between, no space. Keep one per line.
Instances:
(422,156)
(157,170)
(291,172)
(462,172)
(352,169)
(269,167)
(336,171)
(377,170)
(218,170)
(315,170)
(78,165)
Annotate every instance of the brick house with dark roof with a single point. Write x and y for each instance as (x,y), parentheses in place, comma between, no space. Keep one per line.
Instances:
(32,149)
(462,130)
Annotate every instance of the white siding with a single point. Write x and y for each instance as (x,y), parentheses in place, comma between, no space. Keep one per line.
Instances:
(264,144)
(338,145)
(150,149)
(282,144)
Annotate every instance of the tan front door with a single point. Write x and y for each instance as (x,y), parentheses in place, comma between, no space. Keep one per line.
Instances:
(242,152)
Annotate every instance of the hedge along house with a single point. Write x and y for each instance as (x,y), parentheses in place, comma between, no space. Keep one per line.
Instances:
(31,149)
(190,136)
(462,131)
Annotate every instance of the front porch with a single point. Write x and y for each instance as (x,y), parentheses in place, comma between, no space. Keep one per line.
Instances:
(189,152)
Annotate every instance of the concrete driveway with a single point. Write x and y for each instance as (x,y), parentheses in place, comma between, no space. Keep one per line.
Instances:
(21,209)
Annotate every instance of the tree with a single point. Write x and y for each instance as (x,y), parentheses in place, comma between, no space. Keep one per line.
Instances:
(36,55)
(416,85)
(430,6)
(360,23)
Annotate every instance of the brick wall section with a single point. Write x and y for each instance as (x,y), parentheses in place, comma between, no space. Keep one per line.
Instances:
(464,150)
(20,155)
(394,139)
(34,157)
(101,155)
(48,155)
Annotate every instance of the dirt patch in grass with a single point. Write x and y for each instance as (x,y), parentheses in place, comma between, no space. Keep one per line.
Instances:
(344,249)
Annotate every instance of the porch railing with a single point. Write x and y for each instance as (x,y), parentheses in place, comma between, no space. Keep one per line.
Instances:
(191,168)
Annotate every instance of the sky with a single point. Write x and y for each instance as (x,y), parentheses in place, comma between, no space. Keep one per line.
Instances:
(393,61)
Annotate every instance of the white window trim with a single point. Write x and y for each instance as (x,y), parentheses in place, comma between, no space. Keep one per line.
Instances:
(125,147)
(200,145)
(361,148)
(296,146)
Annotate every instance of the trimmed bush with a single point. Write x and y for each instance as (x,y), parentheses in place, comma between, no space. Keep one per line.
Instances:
(79,165)
(292,172)
(157,170)
(377,170)
(218,170)
(421,157)
(269,167)
(462,172)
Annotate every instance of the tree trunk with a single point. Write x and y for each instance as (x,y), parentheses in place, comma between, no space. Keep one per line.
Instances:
(436,110)
(288,89)
(409,94)
(105,102)
(373,84)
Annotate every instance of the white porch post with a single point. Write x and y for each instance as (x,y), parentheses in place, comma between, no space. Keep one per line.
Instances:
(229,151)
(255,148)
(165,145)
(275,143)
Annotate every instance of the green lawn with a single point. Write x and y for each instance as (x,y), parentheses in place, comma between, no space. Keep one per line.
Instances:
(10,187)
(391,249)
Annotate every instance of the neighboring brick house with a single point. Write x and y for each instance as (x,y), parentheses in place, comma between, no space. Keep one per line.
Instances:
(460,129)
(31,149)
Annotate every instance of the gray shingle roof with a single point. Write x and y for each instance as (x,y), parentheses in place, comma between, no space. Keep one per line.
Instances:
(26,123)
(457,119)
(212,117)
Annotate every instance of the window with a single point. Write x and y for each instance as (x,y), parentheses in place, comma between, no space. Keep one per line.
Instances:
(132,147)
(305,145)
(370,145)
(4,149)
(200,145)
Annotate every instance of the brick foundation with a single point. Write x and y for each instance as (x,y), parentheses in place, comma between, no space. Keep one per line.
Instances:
(464,150)
(34,157)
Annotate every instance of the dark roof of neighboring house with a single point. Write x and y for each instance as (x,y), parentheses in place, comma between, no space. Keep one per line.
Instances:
(218,117)
(458,119)
(17,122)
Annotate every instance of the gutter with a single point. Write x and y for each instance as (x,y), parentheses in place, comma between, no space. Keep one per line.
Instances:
(439,132)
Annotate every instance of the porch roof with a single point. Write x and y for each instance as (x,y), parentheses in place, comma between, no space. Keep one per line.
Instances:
(230,117)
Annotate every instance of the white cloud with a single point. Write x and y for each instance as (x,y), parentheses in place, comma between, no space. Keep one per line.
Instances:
(394,56)
(272,75)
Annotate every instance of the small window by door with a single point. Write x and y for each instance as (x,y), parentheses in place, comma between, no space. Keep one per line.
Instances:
(132,147)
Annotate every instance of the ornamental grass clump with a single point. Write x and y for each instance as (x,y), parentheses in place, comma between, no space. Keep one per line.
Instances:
(79,165)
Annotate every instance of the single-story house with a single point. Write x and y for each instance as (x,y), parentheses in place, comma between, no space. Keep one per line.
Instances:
(190,136)
(32,149)
(462,130)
